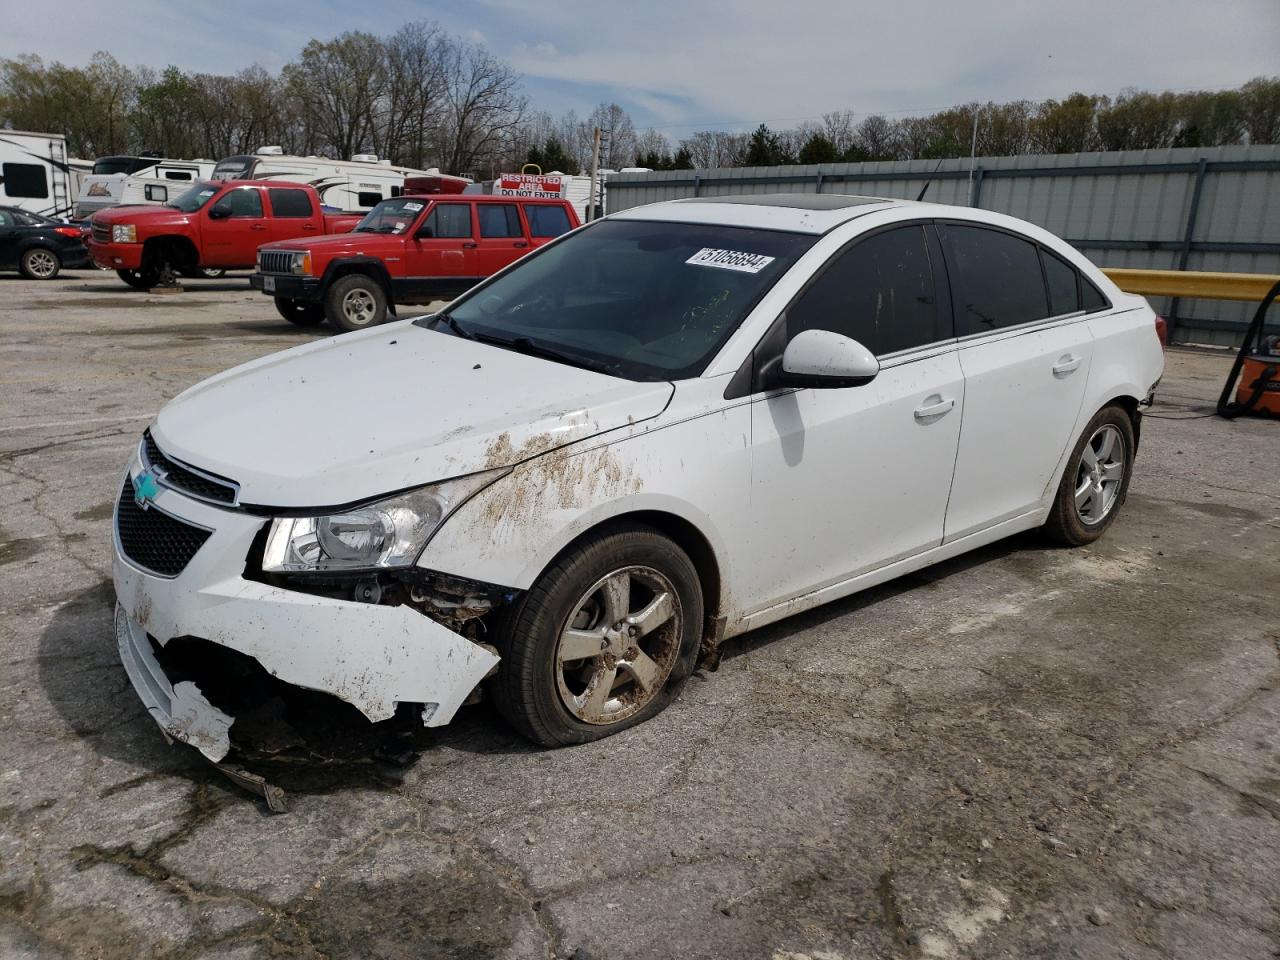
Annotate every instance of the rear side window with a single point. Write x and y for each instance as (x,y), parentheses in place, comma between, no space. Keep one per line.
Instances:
(448,220)
(546,221)
(880,292)
(499,220)
(6,218)
(1060,278)
(289,203)
(995,280)
(24,180)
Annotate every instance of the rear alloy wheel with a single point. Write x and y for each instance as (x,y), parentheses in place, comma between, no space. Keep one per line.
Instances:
(39,263)
(305,313)
(1096,479)
(355,302)
(602,641)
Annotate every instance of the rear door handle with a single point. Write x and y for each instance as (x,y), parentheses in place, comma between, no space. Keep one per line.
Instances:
(468,246)
(257,226)
(1066,364)
(519,243)
(934,407)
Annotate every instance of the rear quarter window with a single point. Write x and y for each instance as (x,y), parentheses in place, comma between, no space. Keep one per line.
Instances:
(546,220)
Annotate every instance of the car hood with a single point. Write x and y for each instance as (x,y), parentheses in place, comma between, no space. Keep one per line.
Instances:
(142,214)
(365,414)
(337,244)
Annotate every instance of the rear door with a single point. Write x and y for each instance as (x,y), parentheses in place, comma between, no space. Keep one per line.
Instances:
(1025,349)
(292,214)
(10,234)
(502,238)
(232,238)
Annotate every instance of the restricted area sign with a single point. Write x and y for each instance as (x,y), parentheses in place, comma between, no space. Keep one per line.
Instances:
(536,185)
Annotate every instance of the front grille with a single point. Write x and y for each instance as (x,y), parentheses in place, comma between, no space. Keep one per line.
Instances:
(174,474)
(101,232)
(153,540)
(275,261)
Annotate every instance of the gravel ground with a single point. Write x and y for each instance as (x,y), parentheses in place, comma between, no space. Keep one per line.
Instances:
(1024,752)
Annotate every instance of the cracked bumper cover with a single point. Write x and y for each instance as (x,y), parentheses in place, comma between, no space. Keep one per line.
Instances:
(371,656)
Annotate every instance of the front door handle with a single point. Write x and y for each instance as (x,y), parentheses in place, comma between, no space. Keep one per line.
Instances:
(1066,364)
(519,243)
(468,246)
(257,226)
(934,407)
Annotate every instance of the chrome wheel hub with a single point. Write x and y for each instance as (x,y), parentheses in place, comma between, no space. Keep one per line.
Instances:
(618,646)
(358,307)
(1099,475)
(42,264)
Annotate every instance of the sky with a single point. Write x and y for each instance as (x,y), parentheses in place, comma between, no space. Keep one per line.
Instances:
(686,65)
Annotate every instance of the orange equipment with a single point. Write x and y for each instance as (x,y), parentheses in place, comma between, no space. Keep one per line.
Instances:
(1257,370)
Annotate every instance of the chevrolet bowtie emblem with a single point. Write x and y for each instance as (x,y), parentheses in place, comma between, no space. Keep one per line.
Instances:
(145,489)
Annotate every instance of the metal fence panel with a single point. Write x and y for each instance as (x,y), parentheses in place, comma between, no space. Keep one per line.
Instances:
(1121,208)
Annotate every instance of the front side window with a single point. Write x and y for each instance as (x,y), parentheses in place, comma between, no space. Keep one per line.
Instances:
(996,280)
(546,220)
(189,201)
(636,299)
(24,180)
(448,221)
(287,202)
(499,220)
(880,292)
(241,202)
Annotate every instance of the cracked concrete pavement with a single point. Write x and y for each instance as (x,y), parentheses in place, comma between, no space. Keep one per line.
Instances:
(1028,751)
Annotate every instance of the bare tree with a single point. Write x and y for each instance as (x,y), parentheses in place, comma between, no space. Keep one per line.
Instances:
(482,107)
(340,82)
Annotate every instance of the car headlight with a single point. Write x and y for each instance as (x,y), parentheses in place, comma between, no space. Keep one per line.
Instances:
(124,233)
(301,264)
(382,534)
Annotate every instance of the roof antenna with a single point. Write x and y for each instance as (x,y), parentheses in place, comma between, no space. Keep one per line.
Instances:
(925,188)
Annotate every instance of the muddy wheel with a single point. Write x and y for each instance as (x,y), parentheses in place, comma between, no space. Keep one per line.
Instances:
(143,279)
(355,302)
(602,641)
(39,263)
(212,273)
(1095,481)
(305,313)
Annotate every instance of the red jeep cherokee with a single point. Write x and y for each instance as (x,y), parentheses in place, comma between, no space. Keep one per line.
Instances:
(412,249)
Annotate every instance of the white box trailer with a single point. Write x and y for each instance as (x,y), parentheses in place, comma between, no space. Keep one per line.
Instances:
(356,184)
(555,185)
(35,174)
(126,180)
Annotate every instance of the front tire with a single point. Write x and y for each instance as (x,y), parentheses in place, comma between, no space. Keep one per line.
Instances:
(1096,480)
(602,641)
(304,313)
(39,263)
(355,302)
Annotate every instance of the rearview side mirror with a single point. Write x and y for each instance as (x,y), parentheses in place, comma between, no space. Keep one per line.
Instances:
(219,211)
(824,359)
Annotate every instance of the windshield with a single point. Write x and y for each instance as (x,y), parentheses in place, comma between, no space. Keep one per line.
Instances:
(120,165)
(232,168)
(189,201)
(391,216)
(634,299)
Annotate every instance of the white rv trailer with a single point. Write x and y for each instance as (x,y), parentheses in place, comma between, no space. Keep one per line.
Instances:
(34,173)
(122,181)
(356,184)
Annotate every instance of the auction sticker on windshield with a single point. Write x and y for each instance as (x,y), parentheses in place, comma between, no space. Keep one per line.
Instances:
(730,260)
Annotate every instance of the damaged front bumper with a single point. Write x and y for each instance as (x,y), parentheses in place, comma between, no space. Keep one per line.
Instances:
(369,655)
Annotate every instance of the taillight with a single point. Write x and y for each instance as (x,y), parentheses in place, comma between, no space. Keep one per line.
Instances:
(68,232)
(1162,331)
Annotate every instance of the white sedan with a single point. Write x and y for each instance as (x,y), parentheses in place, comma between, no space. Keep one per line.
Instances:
(666,428)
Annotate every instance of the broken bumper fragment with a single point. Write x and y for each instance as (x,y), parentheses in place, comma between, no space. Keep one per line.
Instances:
(372,656)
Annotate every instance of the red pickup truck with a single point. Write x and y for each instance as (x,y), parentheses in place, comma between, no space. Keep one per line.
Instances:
(411,249)
(210,226)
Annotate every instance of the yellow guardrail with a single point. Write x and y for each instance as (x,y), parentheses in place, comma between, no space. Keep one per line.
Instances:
(1190,283)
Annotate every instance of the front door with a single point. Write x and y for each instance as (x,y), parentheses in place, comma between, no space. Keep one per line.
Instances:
(848,480)
(1025,349)
(440,260)
(233,234)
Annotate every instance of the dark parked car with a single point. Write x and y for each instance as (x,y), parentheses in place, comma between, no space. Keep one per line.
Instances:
(37,246)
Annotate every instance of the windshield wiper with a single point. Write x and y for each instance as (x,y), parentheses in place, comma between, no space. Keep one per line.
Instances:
(530,348)
(455,326)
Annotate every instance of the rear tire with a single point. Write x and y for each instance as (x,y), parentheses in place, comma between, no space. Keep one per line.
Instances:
(355,302)
(39,263)
(142,279)
(630,666)
(304,313)
(1096,479)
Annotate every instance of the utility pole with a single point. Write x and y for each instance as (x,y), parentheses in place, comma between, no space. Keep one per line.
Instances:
(973,153)
(595,176)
